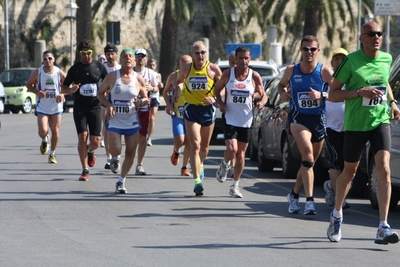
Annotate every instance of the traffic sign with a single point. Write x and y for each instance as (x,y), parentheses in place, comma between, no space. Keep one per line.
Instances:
(387,8)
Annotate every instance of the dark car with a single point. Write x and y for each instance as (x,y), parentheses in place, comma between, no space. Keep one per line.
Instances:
(277,147)
(394,81)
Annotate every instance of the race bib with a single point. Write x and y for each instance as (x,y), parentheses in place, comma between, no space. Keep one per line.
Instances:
(123,106)
(181,110)
(382,100)
(89,89)
(50,93)
(198,83)
(238,97)
(305,101)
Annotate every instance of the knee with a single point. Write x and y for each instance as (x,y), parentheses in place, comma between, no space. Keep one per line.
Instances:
(307,164)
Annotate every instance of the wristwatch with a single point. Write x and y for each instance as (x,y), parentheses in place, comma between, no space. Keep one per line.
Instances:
(394,100)
(324,95)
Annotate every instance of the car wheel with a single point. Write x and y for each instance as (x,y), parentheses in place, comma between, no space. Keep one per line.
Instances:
(290,165)
(27,106)
(264,164)
(373,188)
(2,105)
(252,151)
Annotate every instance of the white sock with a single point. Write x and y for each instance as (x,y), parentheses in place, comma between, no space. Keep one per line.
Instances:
(337,214)
(226,163)
(383,223)
(121,179)
(235,183)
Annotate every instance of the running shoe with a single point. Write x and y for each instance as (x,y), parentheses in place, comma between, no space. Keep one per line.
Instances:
(330,197)
(84,176)
(222,172)
(175,158)
(107,166)
(334,232)
(310,208)
(120,188)
(201,172)
(185,171)
(385,235)
(44,146)
(52,159)
(294,206)
(149,142)
(91,159)
(198,187)
(234,191)
(140,170)
(114,165)
(330,194)
(102,143)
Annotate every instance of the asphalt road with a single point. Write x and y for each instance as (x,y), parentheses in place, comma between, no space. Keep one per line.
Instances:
(49,218)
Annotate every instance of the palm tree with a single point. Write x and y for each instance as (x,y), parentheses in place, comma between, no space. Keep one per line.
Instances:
(308,17)
(176,12)
(83,23)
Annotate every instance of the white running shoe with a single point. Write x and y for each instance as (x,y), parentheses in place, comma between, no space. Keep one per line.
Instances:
(120,188)
(114,165)
(334,232)
(294,206)
(234,191)
(222,172)
(385,235)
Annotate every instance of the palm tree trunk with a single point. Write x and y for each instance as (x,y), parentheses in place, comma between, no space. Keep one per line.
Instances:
(169,34)
(83,23)
(312,11)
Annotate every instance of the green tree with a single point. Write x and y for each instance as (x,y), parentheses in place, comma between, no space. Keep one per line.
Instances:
(308,17)
(176,12)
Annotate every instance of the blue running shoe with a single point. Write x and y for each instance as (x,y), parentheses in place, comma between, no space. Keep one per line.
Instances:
(385,235)
(198,187)
(334,231)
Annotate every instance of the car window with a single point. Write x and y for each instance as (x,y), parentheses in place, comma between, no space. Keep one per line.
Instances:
(15,77)
(272,92)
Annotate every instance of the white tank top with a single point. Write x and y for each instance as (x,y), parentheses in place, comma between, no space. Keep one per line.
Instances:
(110,69)
(51,84)
(239,100)
(149,77)
(334,115)
(121,97)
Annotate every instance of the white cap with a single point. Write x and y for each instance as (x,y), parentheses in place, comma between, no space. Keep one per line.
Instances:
(141,51)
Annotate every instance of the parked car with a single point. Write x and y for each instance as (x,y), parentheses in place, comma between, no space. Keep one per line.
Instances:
(2,98)
(267,71)
(17,96)
(394,81)
(277,147)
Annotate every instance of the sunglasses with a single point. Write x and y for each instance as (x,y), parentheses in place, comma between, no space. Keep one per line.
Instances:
(85,52)
(47,58)
(198,52)
(372,33)
(308,49)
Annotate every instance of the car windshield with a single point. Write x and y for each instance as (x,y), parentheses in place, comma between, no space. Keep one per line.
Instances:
(15,77)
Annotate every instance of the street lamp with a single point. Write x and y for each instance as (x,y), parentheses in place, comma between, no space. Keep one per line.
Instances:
(71,14)
(369,17)
(235,16)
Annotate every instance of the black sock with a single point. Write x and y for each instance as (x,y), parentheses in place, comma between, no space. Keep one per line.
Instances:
(296,196)
(309,199)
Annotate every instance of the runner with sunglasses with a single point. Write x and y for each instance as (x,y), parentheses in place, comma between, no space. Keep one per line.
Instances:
(46,82)
(307,116)
(83,80)
(365,74)
(199,78)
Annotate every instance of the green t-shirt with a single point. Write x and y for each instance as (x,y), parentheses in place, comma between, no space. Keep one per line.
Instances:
(358,70)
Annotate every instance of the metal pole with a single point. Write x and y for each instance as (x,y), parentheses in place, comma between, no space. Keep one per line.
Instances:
(72,20)
(235,32)
(359,24)
(387,34)
(7,50)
